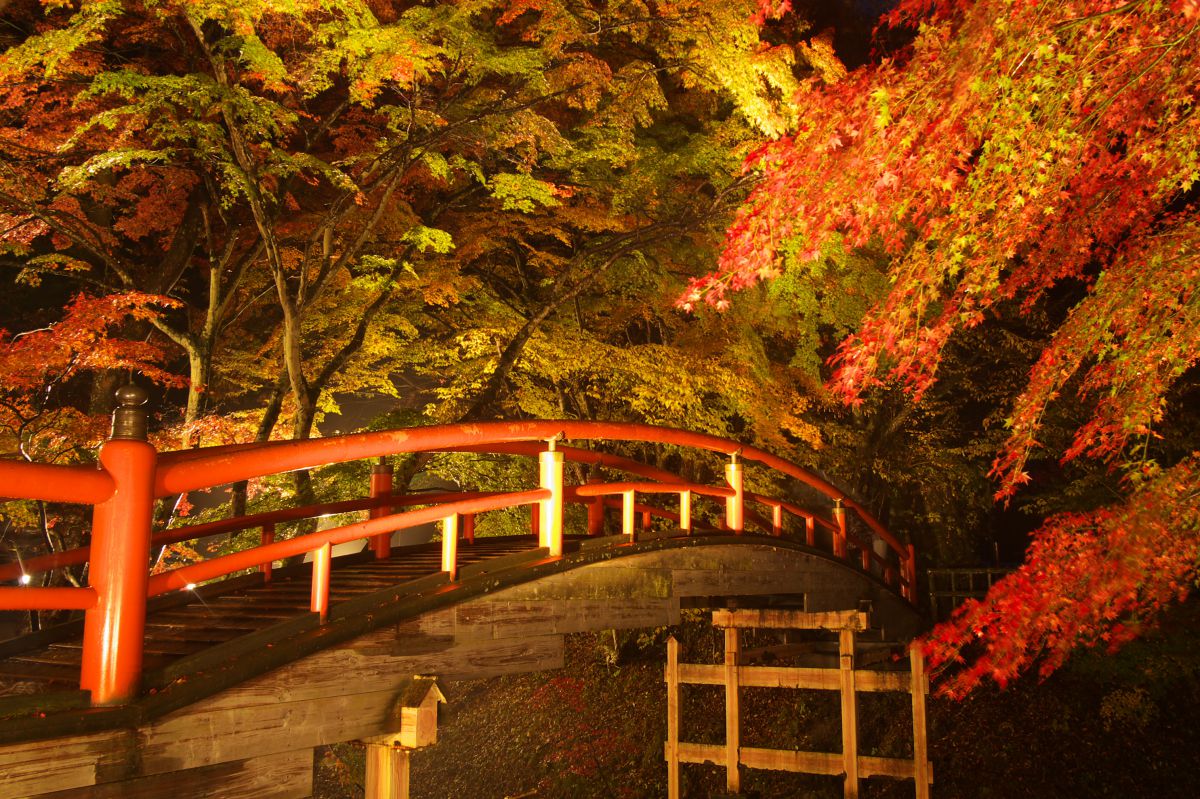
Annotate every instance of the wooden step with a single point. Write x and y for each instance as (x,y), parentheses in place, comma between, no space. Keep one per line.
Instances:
(185,633)
(17,669)
(238,619)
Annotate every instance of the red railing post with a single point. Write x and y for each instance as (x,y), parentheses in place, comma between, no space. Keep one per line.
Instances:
(114,629)
(810,531)
(595,511)
(777,520)
(685,512)
(839,535)
(735,505)
(468,527)
(321,563)
(381,486)
(550,511)
(450,546)
(627,527)
(910,571)
(267,537)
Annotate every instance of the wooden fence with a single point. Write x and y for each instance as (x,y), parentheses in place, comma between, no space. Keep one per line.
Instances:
(845,679)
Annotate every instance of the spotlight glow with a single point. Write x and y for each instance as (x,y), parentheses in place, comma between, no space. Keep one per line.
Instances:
(26,579)
(190,587)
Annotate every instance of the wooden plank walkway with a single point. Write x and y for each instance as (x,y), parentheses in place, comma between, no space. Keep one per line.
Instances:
(176,629)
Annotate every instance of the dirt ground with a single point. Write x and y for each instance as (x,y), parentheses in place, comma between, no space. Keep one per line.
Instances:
(1125,726)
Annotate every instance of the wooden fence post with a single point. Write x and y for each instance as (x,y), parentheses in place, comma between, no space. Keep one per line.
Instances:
(920,748)
(387,772)
(733,651)
(849,713)
(672,718)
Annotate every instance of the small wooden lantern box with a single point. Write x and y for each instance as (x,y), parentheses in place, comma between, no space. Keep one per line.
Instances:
(414,721)
(415,713)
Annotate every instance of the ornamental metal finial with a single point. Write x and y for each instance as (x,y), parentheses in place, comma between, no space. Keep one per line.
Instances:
(129,419)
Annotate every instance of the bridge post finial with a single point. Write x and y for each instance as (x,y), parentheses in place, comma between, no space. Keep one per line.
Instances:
(129,418)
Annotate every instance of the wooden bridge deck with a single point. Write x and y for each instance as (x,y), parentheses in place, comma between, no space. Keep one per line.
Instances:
(245,682)
(228,610)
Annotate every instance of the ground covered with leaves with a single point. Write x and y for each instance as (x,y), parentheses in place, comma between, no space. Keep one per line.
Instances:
(1122,726)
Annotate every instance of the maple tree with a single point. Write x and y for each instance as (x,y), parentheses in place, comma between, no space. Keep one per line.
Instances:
(283,170)
(342,197)
(1018,154)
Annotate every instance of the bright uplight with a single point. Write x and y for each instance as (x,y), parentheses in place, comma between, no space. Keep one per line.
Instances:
(26,579)
(190,587)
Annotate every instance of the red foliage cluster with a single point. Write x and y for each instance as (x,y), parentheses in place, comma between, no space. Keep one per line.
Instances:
(81,342)
(1089,579)
(1016,148)
(991,177)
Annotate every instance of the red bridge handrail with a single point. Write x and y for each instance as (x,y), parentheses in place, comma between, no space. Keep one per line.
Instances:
(52,482)
(174,535)
(189,470)
(192,574)
(131,475)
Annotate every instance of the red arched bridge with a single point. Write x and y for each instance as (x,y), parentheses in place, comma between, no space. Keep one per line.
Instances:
(157,654)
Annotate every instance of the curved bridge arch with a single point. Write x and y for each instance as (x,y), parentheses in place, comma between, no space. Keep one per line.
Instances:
(262,703)
(832,558)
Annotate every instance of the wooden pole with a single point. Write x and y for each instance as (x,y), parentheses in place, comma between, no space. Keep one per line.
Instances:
(849,713)
(920,684)
(387,772)
(672,718)
(733,777)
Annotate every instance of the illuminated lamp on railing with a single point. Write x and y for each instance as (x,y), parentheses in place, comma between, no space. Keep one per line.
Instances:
(190,587)
(26,579)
